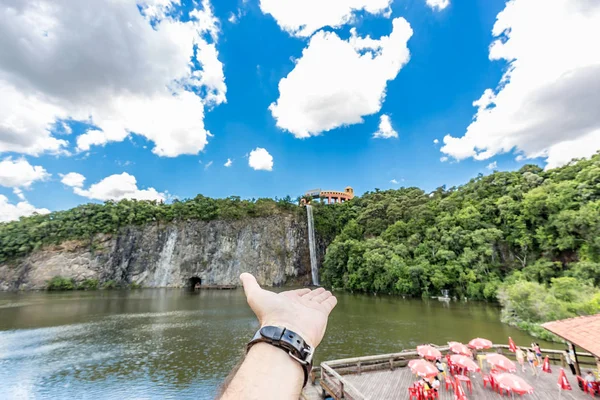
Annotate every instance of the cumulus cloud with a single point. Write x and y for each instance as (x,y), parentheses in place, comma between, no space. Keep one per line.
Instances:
(73,179)
(443,159)
(20,174)
(385,130)
(228,163)
(12,212)
(336,82)
(260,159)
(492,166)
(118,187)
(435,141)
(304,17)
(118,68)
(394,182)
(438,5)
(548,100)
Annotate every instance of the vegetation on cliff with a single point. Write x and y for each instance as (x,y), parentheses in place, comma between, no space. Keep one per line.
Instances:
(517,233)
(19,238)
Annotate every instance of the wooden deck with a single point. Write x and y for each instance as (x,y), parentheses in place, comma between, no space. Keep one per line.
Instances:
(387,376)
(394,385)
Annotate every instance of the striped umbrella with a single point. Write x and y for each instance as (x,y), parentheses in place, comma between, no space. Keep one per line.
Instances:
(423,368)
(465,362)
(480,343)
(500,361)
(514,383)
(460,348)
(429,352)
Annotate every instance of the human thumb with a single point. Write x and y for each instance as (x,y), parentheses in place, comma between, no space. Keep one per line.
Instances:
(250,285)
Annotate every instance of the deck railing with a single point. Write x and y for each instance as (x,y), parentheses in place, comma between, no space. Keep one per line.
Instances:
(335,385)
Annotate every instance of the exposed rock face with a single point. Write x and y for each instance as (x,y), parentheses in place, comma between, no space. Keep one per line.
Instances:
(274,249)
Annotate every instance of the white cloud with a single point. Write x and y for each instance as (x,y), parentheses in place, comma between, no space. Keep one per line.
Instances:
(12,212)
(385,130)
(19,193)
(304,17)
(228,163)
(548,100)
(260,159)
(395,182)
(208,164)
(118,187)
(492,166)
(443,159)
(435,141)
(108,65)
(337,82)
(232,18)
(20,174)
(438,5)
(73,179)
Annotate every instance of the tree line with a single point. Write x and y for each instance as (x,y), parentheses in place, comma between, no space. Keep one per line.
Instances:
(19,238)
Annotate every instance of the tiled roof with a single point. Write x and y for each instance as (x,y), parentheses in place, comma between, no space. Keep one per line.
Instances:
(583,332)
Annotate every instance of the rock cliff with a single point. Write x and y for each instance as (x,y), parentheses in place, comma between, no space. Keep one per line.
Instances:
(274,249)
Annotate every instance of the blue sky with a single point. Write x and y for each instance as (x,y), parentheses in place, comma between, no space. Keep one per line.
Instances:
(113,93)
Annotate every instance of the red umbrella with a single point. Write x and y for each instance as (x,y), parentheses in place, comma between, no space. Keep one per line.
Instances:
(511,345)
(500,361)
(465,362)
(514,383)
(563,383)
(423,368)
(460,348)
(429,352)
(546,365)
(479,343)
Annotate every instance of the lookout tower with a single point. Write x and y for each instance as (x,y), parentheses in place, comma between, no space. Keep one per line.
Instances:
(336,196)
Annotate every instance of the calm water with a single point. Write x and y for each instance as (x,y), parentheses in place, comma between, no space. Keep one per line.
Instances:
(159,343)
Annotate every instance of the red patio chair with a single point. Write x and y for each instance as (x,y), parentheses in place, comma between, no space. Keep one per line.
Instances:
(431,394)
(594,389)
(487,379)
(582,383)
(413,392)
(448,384)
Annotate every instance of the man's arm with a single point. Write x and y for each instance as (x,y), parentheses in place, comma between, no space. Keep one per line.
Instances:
(267,371)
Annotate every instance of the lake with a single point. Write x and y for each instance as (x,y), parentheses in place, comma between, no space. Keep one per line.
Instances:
(169,343)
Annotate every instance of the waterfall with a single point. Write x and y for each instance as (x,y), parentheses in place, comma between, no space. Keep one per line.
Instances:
(311,245)
(162,274)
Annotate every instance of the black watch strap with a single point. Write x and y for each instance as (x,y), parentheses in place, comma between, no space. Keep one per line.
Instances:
(290,342)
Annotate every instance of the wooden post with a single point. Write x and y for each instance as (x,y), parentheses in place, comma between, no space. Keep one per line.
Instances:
(576,360)
(563,363)
(391,364)
(341,390)
(358,365)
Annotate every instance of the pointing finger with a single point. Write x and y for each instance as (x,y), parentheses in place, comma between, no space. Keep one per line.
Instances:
(251,287)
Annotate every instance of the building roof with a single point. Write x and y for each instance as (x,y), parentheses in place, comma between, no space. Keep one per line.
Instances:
(581,331)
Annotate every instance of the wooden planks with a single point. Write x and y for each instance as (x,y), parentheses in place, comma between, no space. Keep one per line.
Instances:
(394,385)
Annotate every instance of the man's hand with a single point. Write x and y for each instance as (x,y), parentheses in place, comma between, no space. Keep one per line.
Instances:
(303,311)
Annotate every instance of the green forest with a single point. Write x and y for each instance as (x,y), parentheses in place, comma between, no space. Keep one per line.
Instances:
(19,238)
(529,239)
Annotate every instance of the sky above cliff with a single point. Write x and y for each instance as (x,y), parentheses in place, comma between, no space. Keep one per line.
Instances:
(162,99)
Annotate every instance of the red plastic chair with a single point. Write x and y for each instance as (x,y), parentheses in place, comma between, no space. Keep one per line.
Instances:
(582,383)
(414,392)
(487,379)
(448,384)
(432,394)
(594,389)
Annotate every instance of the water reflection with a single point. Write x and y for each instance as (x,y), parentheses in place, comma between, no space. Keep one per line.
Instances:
(172,343)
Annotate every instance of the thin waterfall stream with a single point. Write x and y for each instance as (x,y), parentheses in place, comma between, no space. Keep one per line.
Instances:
(311,245)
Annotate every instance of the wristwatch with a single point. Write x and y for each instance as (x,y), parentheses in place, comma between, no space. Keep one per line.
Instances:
(288,341)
